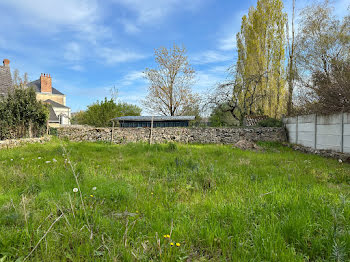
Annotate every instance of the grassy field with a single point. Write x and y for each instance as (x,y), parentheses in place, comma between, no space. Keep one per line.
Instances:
(212,202)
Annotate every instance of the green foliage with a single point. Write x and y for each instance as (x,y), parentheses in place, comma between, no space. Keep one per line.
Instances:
(53,131)
(21,114)
(172,146)
(220,117)
(270,122)
(100,113)
(77,118)
(221,203)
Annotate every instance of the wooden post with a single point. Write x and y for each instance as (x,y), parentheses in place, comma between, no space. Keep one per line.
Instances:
(112,135)
(150,139)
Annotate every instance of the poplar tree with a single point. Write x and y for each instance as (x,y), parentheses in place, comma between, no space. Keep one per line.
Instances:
(261,57)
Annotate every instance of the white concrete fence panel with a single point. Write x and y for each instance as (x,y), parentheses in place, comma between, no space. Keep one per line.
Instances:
(320,132)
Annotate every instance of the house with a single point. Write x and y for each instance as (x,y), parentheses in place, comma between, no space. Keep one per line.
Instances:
(5,78)
(158,121)
(60,114)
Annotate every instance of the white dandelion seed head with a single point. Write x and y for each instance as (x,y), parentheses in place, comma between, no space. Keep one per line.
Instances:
(11,159)
(22,158)
(340,161)
(47,162)
(75,190)
(54,160)
(39,157)
(94,188)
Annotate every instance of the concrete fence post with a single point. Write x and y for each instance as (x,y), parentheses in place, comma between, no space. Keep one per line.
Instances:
(315,145)
(342,133)
(296,131)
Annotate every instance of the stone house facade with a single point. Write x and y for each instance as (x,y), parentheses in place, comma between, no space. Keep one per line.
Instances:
(60,114)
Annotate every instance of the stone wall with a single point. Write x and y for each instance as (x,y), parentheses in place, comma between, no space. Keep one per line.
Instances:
(10,143)
(183,135)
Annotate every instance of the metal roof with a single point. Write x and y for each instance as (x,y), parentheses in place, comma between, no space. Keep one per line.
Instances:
(155,118)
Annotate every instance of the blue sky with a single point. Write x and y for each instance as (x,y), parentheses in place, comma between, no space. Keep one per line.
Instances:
(89,46)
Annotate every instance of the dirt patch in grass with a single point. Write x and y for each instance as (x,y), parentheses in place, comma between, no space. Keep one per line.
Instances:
(247,145)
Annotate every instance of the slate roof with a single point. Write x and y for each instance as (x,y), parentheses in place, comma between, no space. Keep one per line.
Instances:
(55,104)
(5,80)
(53,118)
(155,118)
(37,87)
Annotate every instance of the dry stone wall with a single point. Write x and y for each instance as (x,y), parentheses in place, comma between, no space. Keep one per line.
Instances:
(10,143)
(183,135)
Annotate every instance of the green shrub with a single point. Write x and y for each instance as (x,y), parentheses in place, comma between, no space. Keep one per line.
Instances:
(100,113)
(171,147)
(53,131)
(270,122)
(21,115)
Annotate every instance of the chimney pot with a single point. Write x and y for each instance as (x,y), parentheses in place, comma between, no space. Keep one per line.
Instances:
(6,62)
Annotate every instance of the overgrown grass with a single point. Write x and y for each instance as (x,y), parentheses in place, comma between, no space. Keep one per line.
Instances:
(217,202)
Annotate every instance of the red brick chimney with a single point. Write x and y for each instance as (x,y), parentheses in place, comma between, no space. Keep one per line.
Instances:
(46,83)
(6,62)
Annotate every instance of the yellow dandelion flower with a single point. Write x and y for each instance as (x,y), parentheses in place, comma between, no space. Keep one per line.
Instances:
(178,244)
(165,236)
(91,195)
(168,236)
(172,244)
(137,211)
(152,193)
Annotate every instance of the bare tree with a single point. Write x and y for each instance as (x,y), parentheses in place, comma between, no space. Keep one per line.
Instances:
(169,91)
(238,97)
(18,80)
(323,57)
(321,38)
(329,91)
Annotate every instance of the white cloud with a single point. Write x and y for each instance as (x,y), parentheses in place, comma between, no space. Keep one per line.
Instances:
(79,68)
(210,56)
(132,77)
(130,27)
(54,12)
(224,69)
(153,11)
(53,16)
(228,43)
(72,52)
(116,55)
(206,81)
